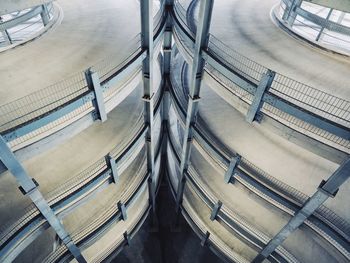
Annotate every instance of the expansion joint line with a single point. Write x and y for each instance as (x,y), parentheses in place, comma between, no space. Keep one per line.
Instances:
(29,187)
(201,43)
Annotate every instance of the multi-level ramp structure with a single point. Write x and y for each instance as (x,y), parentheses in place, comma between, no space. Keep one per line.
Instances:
(108,97)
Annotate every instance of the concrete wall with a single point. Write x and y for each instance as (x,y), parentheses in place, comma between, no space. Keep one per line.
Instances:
(8,6)
(343,5)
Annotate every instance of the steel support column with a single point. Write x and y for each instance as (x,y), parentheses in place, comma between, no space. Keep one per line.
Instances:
(45,16)
(148,94)
(30,188)
(202,39)
(326,189)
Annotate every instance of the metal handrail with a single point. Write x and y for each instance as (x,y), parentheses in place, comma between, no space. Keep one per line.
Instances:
(292,103)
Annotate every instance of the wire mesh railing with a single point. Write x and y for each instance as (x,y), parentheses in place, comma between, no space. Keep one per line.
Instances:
(20,26)
(323,104)
(317,23)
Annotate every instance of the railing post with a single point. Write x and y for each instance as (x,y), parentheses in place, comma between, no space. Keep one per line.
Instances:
(111,163)
(290,13)
(45,16)
(93,82)
(205,238)
(215,211)
(326,189)
(231,168)
(29,187)
(146,9)
(122,209)
(264,85)
(5,33)
(320,34)
(201,43)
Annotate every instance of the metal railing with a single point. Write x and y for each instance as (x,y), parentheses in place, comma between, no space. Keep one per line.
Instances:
(317,23)
(269,187)
(20,26)
(310,111)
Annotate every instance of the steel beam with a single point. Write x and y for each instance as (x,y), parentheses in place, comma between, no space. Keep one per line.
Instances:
(264,85)
(148,93)
(201,43)
(326,189)
(30,188)
(94,84)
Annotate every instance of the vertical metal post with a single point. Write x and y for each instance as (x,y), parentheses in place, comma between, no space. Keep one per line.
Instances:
(5,33)
(93,82)
(264,85)
(326,189)
(148,94)
(231,168)
(290,13)
(167,45)
(202,39)
(45,16)
(320,34)
(113,166)
(216,210)
(30,188)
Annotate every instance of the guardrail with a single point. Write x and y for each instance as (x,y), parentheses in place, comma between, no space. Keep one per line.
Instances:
(312,112)
(228,217)
(43,113)
(321,25)
(90,231)
(75,192)
(325,222)
(20,26)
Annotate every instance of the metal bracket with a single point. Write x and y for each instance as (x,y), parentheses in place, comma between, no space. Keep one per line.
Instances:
(111,163)
(216,210)
(205,239)
(264,85)
(31,190)
(122,209)
(93,82)
(231,168)
(126,238)
(320,187)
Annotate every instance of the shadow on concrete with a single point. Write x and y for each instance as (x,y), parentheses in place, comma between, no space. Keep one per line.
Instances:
(166,246)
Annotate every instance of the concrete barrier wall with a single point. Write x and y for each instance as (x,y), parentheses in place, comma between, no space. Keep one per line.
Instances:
(9,6)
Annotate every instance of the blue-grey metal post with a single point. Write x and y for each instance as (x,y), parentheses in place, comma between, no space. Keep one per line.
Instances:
(202,40)
(292,12)
(111,163)
(231,169)
(5,33)
(94,84)
(45,16)
(215,211)
(326,189)
(30,188)
(148,93)
(320,34)
(264,85)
